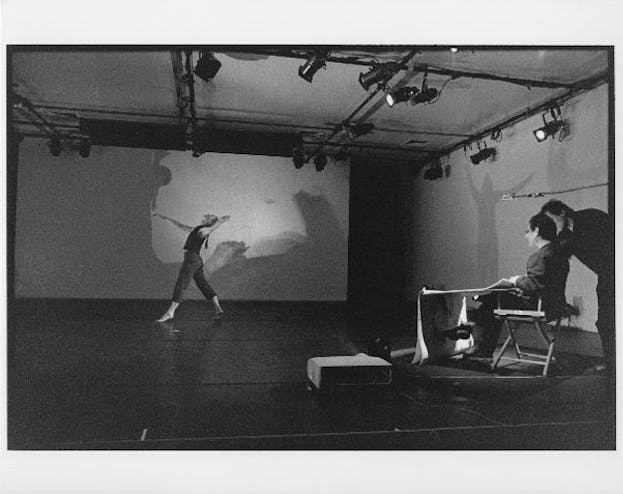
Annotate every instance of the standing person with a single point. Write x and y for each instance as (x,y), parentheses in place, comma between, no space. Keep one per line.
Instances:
(545,278)
(192,267)
(587,234)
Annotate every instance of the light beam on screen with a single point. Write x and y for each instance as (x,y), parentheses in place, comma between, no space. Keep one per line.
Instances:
(256,191)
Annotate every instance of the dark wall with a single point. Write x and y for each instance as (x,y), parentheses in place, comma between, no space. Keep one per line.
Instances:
(382,203)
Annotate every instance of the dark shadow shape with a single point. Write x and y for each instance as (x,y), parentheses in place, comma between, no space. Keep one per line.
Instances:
(486,199)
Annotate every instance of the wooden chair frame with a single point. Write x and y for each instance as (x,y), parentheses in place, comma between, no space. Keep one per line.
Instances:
(538,319)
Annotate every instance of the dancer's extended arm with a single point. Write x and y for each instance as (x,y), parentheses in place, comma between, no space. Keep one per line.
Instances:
(184,227)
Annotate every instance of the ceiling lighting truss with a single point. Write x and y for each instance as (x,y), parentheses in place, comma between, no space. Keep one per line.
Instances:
(58,140)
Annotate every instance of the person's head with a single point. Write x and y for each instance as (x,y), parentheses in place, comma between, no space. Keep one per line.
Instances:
(209,219)
(541,228)
(559,212)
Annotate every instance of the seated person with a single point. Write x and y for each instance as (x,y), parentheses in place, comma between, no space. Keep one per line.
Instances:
(546,276)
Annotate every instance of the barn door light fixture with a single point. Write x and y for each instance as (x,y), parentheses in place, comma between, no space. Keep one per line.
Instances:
(207,66)
(314,63)
(552,127)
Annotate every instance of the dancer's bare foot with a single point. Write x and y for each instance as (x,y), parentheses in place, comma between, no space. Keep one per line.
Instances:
(219,314)
(167,316)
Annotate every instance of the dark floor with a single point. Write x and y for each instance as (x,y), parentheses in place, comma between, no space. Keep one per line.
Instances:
(102,375)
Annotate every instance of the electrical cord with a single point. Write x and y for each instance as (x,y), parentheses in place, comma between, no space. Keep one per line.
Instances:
(461,409)
(441,90)
(509,197)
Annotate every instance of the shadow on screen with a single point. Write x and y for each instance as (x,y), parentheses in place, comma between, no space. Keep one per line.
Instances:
(313,268)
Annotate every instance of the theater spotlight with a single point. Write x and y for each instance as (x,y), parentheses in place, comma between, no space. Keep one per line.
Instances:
(298,158)
(482,154)
(55,145)
(434,172)
(379,73)
(399,95)
(426,95)
(359,129)
(313,64)
(320,161)
(207,66)
(85,147)
(550,128)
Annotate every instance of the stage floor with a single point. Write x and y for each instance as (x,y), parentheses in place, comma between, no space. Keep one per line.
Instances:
(103,375)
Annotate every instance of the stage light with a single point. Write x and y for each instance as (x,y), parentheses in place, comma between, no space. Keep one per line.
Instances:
(399,95)
(320,161)
(379,73)
(313,64)
(426,95)
(207,66)
(454,50)
(55,145)
(85,147)
(359,129)
(549,129)
(482,154)
(433,173)
(298,158)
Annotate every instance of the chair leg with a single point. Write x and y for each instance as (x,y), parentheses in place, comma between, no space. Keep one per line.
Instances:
(548,359)
(509,338)
(550,348)
(515,344)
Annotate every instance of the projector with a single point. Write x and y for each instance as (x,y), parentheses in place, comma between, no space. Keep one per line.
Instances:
(357,370)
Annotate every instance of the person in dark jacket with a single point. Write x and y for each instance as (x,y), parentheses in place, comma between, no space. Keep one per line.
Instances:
(545,278)
(192,267)
(587,234)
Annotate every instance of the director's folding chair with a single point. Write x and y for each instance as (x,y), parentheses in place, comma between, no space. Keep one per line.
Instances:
(514,319)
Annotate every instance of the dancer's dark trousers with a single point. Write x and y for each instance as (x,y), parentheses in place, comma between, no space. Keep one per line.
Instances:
(192,267)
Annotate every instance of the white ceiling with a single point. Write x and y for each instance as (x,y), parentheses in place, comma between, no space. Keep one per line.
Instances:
(259,91)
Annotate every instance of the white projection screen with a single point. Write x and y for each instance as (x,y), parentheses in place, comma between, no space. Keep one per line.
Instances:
(85,227)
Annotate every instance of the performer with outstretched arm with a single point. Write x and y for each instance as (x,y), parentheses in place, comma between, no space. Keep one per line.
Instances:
(192,267)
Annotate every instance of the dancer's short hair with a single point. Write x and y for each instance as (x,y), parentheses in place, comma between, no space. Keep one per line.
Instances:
(211,219)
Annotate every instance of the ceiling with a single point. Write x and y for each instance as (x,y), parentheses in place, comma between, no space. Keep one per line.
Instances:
(258,89)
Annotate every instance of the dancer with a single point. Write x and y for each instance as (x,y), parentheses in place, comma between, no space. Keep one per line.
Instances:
(192,267)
